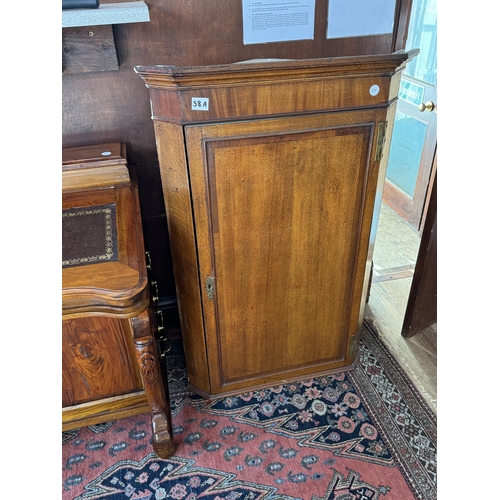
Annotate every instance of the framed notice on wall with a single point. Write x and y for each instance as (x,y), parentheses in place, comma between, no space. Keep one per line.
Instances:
(348,18)
(277,20)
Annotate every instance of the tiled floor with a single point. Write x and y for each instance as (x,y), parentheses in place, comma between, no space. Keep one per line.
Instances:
(394,258)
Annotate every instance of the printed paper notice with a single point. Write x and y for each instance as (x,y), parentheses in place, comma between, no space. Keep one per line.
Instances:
(277,20)
(360,17)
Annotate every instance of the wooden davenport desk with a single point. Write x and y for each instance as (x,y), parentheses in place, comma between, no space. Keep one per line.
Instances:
(110,361)
(272,175)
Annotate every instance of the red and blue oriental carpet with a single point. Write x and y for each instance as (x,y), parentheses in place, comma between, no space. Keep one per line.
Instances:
(366,434)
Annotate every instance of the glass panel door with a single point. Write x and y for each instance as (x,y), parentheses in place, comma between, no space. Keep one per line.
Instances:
(414,135)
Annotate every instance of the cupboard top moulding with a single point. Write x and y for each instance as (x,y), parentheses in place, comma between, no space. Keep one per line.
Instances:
(260,88)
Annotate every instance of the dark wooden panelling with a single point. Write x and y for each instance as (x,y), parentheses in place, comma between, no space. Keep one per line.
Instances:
(88,49)
(194,32)
(114,106)
(108,107)
(150,192)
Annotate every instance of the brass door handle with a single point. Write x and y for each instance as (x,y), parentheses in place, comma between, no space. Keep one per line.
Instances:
(427,106)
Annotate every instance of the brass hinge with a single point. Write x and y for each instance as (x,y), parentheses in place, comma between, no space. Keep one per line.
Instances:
(382,126)
(352,346)
(210,287)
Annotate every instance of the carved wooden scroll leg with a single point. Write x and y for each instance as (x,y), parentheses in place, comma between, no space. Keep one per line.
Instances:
(156,392)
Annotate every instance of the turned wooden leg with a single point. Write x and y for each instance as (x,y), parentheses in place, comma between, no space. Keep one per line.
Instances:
(156,392)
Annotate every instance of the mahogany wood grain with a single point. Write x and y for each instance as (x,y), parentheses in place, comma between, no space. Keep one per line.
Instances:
(250,90)
(282,175)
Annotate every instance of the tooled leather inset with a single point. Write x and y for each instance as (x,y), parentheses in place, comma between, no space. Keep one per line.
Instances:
(89,235)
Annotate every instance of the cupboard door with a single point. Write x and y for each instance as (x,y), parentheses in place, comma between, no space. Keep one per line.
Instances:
(283,211)
(97,360)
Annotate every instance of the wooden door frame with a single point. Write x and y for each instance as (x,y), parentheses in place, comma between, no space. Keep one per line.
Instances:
(421,310)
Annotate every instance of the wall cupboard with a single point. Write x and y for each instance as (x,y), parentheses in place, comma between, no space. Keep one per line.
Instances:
(272,174)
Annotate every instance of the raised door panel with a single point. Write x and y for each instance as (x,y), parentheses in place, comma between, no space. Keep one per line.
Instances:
(97,360)
(280,206)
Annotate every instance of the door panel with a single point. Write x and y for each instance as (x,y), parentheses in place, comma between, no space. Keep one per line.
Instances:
(251,250)
(284,204)
(327,212)
(415,133)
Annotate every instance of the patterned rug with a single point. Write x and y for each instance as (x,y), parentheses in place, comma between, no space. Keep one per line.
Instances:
(366,434)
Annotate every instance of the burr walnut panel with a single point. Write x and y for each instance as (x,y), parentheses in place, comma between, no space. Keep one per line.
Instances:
(97,359)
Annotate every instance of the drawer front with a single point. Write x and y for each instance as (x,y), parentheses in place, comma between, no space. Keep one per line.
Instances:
(98,360)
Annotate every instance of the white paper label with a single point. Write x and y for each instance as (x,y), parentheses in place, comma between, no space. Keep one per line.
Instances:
(360,17)
(277,20)
(199,103)
(374,90)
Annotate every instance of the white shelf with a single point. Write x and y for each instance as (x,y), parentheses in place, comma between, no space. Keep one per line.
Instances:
(108,13)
